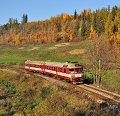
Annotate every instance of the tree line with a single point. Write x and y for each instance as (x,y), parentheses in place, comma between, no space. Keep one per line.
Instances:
(87,24)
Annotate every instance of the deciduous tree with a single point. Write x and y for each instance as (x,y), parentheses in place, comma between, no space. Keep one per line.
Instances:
(17,40)
(100,56)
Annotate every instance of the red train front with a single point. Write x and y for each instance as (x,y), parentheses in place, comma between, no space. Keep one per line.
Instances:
(70,71)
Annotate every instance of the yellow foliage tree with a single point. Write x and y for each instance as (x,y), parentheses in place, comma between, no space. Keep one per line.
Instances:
(93,33)
(71,37)
(69,33)
(79,30)
(17,39)
(88,12)
(65,16)
(118,34)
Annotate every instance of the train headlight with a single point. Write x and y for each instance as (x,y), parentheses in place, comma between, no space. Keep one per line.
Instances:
(81,75)
(72,76)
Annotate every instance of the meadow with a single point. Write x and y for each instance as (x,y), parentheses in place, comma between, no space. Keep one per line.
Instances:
(52,52)
(25,94)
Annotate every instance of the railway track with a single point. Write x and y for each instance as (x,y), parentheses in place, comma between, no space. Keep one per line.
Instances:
(107,95)
(115,96)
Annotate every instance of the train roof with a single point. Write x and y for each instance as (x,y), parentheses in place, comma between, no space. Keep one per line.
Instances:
(49,63)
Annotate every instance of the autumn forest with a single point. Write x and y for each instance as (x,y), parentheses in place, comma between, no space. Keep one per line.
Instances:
(64,28)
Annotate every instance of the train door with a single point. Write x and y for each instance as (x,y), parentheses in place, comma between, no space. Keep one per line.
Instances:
(43,68)
(57,70)
(29,66)
(67,71)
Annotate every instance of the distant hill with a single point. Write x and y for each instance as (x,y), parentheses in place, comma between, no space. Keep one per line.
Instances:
(84,25)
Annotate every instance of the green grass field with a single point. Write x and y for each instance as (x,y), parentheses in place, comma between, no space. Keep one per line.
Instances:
(44,52)
(60,52)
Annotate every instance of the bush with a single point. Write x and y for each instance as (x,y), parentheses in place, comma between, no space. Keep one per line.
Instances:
(35,76)
(46,91)
(58,38)
(88,77)
(11,88)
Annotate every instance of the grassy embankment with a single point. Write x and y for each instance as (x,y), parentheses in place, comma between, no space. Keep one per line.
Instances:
(26,94)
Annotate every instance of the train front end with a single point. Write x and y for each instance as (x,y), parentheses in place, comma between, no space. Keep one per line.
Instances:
(76,72)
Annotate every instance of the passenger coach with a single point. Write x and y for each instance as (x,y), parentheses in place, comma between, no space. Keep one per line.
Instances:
(70,71)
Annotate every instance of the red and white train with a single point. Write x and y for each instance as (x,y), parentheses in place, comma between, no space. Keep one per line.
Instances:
(70,71)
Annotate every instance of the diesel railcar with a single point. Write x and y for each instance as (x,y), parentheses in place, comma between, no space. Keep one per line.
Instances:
(70,71)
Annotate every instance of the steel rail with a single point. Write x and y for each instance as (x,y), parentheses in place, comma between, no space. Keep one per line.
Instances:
(102,93)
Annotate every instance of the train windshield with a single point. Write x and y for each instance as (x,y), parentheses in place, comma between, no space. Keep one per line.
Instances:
(78,69)
(71,70)
(75,70)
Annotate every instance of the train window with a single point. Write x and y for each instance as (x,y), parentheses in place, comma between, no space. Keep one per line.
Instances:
(32,65)
(60,69)
(52,68)
(47,67)
(64,70)
(71,70)
(37,66)
(65,65)
(78,69)
(77,65)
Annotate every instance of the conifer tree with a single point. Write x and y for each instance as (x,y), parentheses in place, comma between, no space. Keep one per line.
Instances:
(83,29)
(118,34)
(24,18)
(114,9)
(108,26)
(75,14)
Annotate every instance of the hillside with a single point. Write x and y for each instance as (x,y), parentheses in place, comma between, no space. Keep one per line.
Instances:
(14,57)
(79,26)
